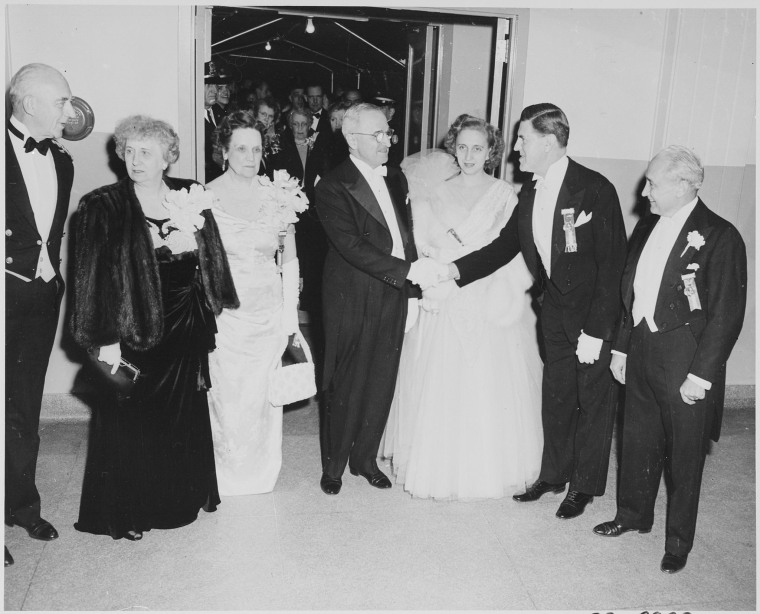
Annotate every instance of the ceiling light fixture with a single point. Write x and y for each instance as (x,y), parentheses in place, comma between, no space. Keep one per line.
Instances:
(268,46)
(310,26)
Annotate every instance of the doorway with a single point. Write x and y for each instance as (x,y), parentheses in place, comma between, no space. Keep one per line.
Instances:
(419,59)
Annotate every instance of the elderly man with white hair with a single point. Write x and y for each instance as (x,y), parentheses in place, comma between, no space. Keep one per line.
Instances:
(684,292)
(38,178)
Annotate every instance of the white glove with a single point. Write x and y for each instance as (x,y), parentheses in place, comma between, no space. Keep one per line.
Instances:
(290,284)
(588,349)
(427,272)
(111,355)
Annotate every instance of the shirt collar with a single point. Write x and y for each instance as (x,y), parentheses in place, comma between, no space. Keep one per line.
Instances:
(21,127)
(555,174)
(679,217)
(364,168)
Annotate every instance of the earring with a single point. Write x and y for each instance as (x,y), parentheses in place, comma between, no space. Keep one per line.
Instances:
(224,164)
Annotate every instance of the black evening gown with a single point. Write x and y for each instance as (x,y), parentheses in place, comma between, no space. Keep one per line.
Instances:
(151,457)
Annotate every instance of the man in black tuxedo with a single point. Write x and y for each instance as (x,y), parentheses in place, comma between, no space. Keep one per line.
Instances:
(320,121)
(366,291)
(212,117)
(684,293)
(569,227)
(39,173)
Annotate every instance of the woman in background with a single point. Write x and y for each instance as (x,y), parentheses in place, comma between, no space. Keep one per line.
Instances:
(465,422)
(150,275)
(247,428)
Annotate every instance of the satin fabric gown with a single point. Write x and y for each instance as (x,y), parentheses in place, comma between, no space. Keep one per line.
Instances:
(465,422)
(151,459)
(247,428)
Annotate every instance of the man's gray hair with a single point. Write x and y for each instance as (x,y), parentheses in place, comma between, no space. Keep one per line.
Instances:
(24,80)
(353,115)
(683,164)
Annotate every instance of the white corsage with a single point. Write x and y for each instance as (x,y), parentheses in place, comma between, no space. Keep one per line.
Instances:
(695,240)
(280,199)
(185,208)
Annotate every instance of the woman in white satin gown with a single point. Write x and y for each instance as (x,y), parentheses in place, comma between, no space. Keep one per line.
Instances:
(465,422)
(247,429)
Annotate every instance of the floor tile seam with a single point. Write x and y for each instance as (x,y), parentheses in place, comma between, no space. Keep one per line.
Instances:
(490,521)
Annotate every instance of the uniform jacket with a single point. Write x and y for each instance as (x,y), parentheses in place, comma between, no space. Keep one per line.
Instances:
(720,267)
(22,238)
(117,289)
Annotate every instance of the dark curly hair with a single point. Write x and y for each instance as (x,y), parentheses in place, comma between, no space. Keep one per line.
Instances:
(235,121)
(494,138)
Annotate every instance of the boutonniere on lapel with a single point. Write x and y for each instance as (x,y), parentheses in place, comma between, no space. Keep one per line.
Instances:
(690,285)
(693,239)
(569,225)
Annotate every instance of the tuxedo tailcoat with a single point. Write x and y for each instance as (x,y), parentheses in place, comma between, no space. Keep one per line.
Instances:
(580,294)
(365,297)
(31,319)
(660,430)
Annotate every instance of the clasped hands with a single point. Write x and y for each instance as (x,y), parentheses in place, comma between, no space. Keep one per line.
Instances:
(428,272)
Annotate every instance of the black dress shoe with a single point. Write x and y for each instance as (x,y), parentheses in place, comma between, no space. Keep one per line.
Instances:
(330,486)
(535,491)
(377,479)
(672,563)
(574,504)
(133,536)
(614,529)
(8,557)
(42,530)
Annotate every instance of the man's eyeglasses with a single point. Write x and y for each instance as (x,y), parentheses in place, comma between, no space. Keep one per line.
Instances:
(380,135)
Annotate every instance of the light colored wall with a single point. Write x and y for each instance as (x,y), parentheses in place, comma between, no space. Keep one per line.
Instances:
(121,60)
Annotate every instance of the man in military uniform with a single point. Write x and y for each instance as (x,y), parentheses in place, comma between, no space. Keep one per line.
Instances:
(39,173)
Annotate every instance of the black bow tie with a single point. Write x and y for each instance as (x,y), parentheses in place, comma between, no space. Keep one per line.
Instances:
(30,143)
(41,146)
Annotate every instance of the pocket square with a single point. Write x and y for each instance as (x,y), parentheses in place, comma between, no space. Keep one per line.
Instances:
(582,219)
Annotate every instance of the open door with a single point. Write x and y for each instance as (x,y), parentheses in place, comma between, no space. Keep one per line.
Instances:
(422,89)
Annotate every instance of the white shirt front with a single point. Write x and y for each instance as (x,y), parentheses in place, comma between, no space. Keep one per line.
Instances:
(651,265)
(315,120)
(544,206)
(42,186)
(380,190)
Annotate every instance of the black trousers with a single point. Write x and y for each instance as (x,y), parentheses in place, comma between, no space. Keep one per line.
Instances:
(358,397)
(660,431)
(31,319)
(577,410)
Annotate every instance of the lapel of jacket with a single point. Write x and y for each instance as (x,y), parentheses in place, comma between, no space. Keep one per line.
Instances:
(638,240)
(358,187)
(527,198)
(64,178)
(681,254)
(570,197)
(15,185)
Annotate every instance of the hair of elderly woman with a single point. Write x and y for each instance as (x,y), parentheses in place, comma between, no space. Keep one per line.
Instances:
(683,165)
(144,128)
(494,138)
(305,112)
(235,121)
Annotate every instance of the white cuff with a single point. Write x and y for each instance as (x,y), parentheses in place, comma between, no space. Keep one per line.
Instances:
(699,381)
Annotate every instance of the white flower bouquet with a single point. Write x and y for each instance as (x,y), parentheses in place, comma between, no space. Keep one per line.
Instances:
(185,208)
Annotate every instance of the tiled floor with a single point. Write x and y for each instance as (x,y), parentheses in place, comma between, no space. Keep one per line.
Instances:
(298,549)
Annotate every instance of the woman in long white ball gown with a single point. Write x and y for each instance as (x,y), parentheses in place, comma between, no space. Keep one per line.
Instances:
(465,422)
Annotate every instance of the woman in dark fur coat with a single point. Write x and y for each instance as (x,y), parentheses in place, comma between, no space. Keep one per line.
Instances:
(150,276)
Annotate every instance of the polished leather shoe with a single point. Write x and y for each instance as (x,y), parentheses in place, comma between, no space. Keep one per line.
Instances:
(330,486)
(536,490)
(377,479)
(672,563)
(8,557)
(615,529)
(41,529)
(574,504)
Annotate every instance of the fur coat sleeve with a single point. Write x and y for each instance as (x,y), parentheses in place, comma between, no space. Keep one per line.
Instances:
(117,288)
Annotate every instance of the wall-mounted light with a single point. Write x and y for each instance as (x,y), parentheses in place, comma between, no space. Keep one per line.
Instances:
(268,46)
(310,26)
